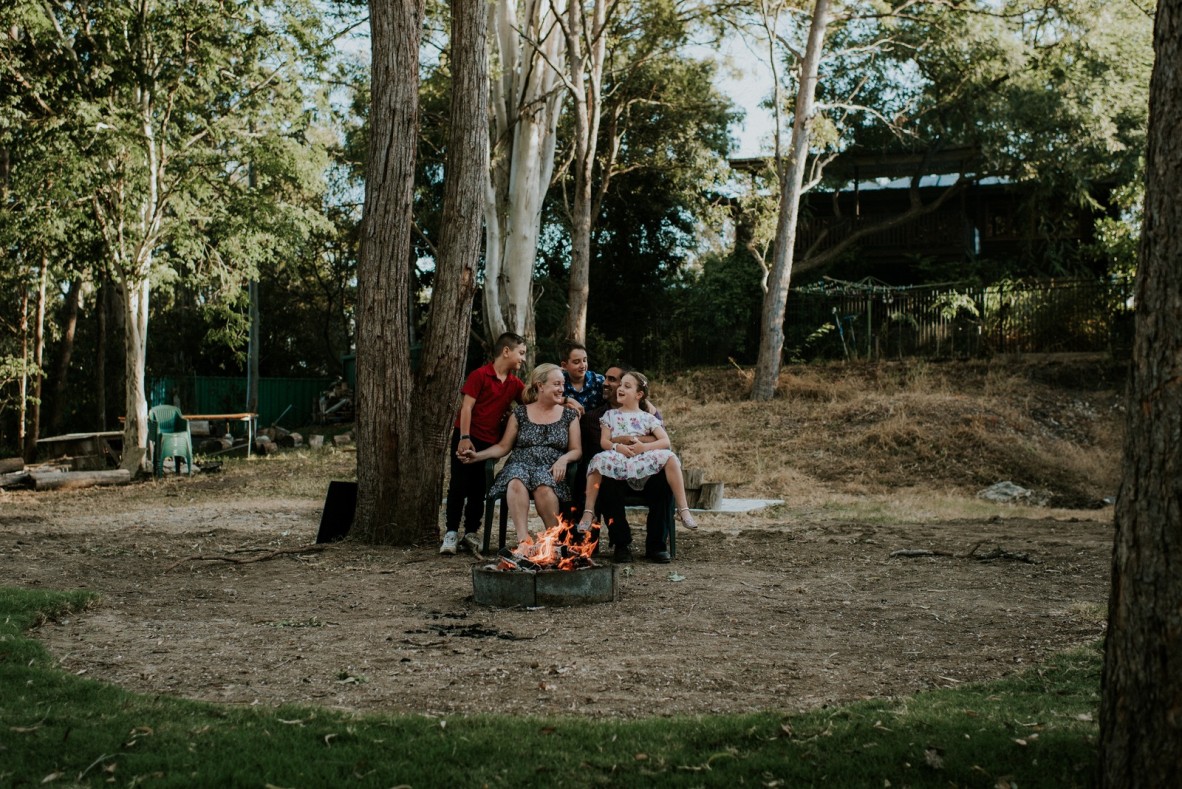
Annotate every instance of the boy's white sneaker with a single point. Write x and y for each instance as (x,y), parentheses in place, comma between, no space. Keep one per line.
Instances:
(450,540)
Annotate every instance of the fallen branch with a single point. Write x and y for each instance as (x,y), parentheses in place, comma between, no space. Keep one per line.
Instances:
(999,553)
(913,553)
(315,547)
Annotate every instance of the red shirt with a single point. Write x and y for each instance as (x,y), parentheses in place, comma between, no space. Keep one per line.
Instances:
(493,396)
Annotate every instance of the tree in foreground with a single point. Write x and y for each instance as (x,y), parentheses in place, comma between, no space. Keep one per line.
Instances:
(403,414)
(1141,704)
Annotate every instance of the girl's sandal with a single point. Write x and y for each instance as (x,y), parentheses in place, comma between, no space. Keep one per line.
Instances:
(585,522)
(686,517)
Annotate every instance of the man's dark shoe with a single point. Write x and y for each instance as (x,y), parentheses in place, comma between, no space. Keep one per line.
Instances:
(623,554)
(659,557)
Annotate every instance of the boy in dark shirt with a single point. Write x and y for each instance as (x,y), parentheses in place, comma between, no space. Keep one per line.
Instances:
(584,388)
(488,391)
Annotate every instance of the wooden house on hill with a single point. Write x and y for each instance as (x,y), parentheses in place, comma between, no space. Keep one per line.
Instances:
(896,208)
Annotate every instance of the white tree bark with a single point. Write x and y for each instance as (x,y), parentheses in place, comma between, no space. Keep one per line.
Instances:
(130,250)
(135,342)
(771,333)
(526,96)
(586,88)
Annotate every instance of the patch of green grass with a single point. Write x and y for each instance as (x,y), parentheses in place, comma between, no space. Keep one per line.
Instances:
(1034,729)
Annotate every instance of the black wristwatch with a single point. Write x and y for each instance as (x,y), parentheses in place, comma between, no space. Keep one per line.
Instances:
(465,437)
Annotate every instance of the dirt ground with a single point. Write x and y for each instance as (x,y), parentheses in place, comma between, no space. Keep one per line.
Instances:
(789,608)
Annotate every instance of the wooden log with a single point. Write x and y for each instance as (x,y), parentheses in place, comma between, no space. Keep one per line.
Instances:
(14,479)
(710,496)
(70,480)
(212,445)
(693,477)
(265,446)
(8,465)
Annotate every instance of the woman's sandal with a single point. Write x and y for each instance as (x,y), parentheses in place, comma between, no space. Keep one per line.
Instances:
(686,517)
(586,521)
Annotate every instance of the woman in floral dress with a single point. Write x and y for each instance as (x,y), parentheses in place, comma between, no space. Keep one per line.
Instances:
(543,438)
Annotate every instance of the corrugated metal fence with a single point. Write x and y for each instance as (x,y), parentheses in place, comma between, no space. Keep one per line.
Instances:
(870,320)
(207,394)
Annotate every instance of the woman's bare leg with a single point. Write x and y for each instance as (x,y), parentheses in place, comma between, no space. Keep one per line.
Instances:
(677,484)
(546,503)
(517,499)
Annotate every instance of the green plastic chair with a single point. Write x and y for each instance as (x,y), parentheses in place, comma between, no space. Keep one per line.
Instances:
(169,436)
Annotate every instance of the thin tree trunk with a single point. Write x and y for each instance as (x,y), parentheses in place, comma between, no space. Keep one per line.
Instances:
(135,342)
(100,367)
(23,408)
(775,300)
(383,276)
(586,70)
(38,362)
(1141,685)
(62,370)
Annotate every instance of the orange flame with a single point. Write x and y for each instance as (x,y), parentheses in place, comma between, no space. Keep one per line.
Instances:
(561,547)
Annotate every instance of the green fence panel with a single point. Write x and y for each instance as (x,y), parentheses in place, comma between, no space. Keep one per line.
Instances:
(209,394)
(301,394)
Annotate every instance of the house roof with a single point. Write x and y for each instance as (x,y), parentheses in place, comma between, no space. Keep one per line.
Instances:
(862,165)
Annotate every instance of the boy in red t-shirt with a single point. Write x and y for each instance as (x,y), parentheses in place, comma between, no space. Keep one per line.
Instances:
(488,391)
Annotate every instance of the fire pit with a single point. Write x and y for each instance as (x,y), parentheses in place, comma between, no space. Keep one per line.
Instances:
(495,587)
(556,568)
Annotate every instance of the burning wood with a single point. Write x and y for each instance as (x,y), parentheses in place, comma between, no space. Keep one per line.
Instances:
(562,547)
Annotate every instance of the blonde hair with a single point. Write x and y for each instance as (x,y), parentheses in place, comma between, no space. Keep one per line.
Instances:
(536,379)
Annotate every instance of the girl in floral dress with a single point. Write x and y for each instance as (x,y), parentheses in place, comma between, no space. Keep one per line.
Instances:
(627,457)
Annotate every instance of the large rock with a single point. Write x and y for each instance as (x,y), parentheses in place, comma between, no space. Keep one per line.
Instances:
(1008,493)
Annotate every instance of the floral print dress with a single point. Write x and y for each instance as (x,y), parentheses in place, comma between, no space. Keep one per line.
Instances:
(635,470)
(534,452)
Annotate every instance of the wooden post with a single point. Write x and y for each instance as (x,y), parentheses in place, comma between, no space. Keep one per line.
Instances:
(710,495)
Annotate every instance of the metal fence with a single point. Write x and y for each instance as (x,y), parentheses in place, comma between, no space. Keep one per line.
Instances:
(871,320)
(289,401)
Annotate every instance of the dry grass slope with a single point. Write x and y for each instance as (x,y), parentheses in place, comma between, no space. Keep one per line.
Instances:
(1053,425)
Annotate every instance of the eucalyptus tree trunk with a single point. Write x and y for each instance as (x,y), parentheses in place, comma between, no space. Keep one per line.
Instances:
(383,274)
(135,292)
(1141,685)
(586,90)
(445,341)
(404,416)
(775,299)
(34,432)
(526,100)
(130,223)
